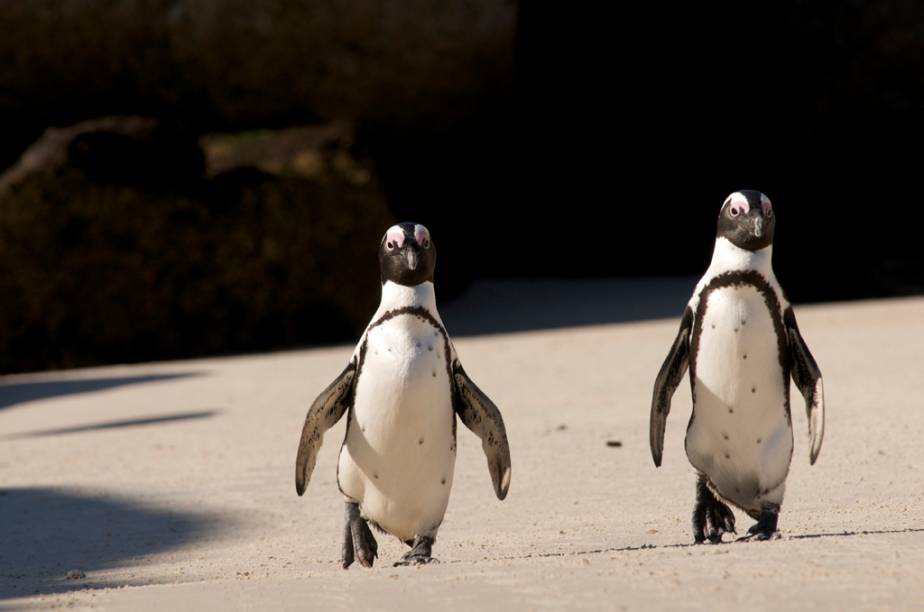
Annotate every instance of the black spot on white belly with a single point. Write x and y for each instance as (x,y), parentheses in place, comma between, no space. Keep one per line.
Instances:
(443,481)
(420,441)
(434,373)
(725,436)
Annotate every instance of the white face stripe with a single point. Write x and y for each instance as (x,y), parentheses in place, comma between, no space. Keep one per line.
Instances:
(395,235)
(765,205)
(421,234)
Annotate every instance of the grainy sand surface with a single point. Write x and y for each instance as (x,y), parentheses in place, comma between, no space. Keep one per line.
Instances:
(170,485)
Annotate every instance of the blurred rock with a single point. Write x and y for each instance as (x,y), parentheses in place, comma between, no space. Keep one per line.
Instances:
(116,246)
(220,63)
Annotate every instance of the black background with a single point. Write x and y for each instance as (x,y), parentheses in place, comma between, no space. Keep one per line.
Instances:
(630,126)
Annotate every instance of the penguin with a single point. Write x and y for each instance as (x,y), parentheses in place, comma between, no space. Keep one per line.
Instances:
(739,339)
(401,392)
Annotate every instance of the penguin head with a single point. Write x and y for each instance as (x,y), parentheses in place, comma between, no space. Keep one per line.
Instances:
(407,255)
(747,220)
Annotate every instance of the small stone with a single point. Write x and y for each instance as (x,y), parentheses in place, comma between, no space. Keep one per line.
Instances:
(75,574)
(614,443)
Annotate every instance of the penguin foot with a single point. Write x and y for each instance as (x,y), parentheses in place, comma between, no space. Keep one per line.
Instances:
(420,554)
(720,520)
(765,528)
(711,518)
(358,542)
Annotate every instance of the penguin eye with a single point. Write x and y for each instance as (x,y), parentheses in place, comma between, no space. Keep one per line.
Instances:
(734,211)
(426,243)
(390,245)
(767,209)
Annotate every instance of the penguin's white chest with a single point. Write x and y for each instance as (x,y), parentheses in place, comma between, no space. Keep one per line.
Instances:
(399,454)
(740,435)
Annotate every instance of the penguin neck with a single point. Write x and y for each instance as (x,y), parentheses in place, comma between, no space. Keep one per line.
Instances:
(727,257)
(402,296)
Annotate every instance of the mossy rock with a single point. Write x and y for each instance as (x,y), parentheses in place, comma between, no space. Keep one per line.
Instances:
(99,268)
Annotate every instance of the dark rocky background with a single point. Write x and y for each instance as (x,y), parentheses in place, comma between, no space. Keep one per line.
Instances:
(207,176)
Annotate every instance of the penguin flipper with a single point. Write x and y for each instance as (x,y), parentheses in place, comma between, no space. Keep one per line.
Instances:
(323,414)
(807,377)
(672,372)
(482,417)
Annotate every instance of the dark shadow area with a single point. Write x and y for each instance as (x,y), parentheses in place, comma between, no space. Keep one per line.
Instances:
(47,533)
(630,125)
(173,418)
(179,209)
(502,306)
(18,392)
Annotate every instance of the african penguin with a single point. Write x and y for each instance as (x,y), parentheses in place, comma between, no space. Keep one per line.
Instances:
(401,392)
(738,337)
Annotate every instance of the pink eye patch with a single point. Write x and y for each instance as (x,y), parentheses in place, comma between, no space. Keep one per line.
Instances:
(394,237)
(421,235)
(738,205)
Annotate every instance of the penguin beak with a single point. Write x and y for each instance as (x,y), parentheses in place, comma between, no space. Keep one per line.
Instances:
(411,259)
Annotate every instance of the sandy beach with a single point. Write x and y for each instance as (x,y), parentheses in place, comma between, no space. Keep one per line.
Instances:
(170,485)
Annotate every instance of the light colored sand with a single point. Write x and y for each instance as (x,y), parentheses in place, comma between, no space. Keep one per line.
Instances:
(201,512)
